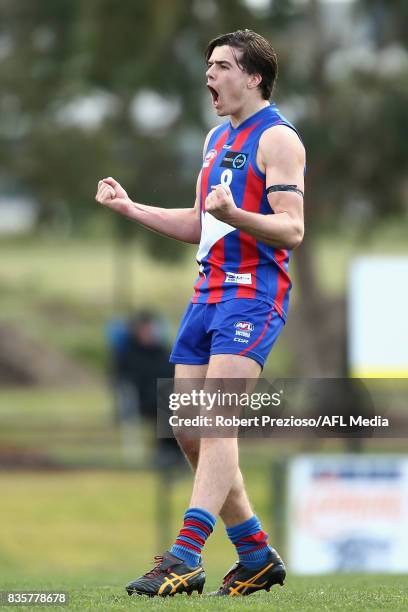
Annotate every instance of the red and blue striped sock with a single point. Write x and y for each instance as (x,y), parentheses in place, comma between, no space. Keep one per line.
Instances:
(251,542)
(198,525)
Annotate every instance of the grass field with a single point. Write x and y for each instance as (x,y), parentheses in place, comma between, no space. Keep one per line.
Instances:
(63,291)
(88,533)
(328,593)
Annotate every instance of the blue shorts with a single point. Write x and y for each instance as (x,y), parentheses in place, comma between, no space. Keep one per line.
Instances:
(241,326)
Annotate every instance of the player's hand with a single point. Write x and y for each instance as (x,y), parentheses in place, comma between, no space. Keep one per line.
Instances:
(220,203)
(111,194)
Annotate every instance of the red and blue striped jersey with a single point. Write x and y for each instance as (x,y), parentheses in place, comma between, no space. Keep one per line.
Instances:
(233,264)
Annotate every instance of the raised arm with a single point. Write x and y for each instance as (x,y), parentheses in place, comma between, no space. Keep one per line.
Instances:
(281,156)
(180,223)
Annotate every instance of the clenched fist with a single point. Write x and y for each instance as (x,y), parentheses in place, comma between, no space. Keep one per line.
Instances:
(220,203)
(111,194)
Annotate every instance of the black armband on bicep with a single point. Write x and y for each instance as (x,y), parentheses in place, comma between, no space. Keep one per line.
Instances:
(293,188)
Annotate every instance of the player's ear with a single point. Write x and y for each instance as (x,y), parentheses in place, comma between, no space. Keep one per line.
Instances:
(254,81)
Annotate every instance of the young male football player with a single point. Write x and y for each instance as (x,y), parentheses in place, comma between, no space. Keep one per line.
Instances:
(247,217)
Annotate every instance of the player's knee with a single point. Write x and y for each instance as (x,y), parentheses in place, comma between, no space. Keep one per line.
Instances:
(191,448)
(220,447)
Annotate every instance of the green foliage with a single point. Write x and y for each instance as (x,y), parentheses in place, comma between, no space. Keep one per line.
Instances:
(57,53)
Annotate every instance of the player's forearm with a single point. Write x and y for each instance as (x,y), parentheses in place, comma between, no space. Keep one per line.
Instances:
(278,230)
(178,223)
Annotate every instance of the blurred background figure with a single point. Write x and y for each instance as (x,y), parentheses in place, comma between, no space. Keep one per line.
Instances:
(139,355)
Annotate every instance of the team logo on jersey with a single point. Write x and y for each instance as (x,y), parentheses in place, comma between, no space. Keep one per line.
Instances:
(209,157)
(234,159)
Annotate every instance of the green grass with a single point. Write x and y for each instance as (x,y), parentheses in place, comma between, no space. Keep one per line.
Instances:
(68,425)
(94,527)
(62,292)
(74,427)
(71,272)
(356,593)
(88,533)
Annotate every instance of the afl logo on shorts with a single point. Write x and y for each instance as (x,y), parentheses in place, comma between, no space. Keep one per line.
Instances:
(244,326)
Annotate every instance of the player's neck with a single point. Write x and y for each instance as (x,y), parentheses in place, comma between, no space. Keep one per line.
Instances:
(245,112)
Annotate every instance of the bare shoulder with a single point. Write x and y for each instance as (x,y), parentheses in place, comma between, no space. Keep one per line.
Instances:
(280,143)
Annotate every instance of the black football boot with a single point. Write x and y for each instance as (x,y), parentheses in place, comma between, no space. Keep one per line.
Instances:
(169,576)
(243,581)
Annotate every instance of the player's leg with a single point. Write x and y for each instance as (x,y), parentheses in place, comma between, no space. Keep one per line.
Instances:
(174,573)
(218,460)
(236,507)
(259,565)
(184,564)
(190,446)
(221,455)
(245,328)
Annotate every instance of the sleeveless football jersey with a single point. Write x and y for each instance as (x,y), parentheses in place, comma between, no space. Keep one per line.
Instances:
(233,264)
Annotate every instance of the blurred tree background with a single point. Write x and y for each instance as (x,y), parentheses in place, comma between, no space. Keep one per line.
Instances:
(93,89)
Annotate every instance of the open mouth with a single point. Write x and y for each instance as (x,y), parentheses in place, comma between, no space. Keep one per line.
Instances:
(214,95)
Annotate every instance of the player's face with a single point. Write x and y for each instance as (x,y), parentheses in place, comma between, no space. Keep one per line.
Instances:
(227,81)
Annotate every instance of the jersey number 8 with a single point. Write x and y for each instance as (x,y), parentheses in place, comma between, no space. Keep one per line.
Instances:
(226,177)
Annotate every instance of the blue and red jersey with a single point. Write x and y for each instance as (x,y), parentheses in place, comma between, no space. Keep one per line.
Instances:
(233,264)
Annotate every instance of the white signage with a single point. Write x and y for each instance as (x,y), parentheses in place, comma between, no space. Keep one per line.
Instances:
(378,317)
(348,513)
